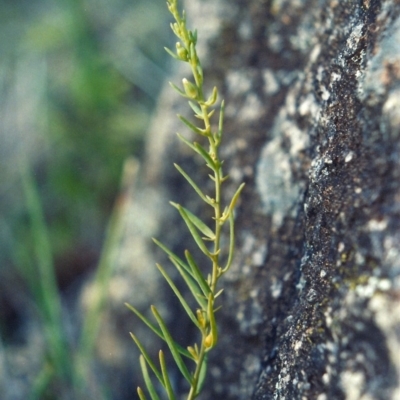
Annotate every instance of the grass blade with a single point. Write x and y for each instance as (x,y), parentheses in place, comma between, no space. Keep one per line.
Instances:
(48,297)
(146,356)
(172,346)
(185,305)
(93,317)
(147,379)
(167,382)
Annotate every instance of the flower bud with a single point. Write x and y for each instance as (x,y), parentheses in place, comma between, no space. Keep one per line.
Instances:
(190,89)
(209,341)
(201,319)
(182,52)
(213,97)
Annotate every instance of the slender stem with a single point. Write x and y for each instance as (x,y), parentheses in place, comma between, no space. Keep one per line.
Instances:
(192,394)
(186,51)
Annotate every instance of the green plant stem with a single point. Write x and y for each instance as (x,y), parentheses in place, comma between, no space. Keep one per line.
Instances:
(193,389)
(202,284)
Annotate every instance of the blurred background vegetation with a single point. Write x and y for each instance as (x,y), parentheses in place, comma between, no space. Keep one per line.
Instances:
(78,83)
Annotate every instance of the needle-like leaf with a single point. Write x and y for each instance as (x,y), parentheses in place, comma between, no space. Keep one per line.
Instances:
(141,394)
(173,256)
(146,356)
(171,53)
(159,333)
(202,376)
(221,119)
(231,242)
(167,382)
(192,228)
(199,150)
(194,288)
(147,379)
(191,182)
(181,92)
(184,303)
(194,128)
(196,109)
(235,197)
(213,323)
(203,152)
(172,346)
(146,321)
(198,274)
(199,224)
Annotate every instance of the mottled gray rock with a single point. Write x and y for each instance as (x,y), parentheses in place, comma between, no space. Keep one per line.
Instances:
(311,306)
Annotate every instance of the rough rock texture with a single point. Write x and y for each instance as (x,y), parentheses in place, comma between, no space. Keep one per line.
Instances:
(311,306)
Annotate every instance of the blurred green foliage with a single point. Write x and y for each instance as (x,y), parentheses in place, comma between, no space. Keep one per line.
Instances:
(78,83)
(97,68)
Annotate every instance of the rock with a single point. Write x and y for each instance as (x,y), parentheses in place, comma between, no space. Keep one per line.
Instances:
(312,91)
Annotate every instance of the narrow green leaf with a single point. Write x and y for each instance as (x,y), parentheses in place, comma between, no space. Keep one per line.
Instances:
(191,182)
(231,242)
(194,128)
(198,274)
(213,97)
(141,394)
(196,109)
(173,256)
(172,346)
(172,54)
(235,197)
(181,92)
(213,323)
(175,29)
(181,349)
(201,300)
(199,224)
(192,228)
(184,140)
(199,150)
(146,321)
(203,152)
(194,36)
(147,379)
(167,382)
(185,305)
(202,376)
(147,358)
(221,119)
